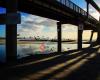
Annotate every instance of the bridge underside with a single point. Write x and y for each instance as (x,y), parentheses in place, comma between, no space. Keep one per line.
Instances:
(56,12)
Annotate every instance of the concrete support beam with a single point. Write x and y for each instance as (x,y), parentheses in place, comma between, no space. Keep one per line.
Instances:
(10,18)
(87,9)
(98,36)
(98,32)
(92,2)
(11,33)
(80,32)
(80,39)
(91,38)
(59,31)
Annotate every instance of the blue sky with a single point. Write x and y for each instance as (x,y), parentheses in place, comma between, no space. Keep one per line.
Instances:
(2,10)
(81,3)
(2,30)
(2,27)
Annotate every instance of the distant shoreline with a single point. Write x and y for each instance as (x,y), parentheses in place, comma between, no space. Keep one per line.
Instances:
(2,41)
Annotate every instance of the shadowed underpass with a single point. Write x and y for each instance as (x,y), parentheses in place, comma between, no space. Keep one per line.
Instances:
(81,64)
(71,65)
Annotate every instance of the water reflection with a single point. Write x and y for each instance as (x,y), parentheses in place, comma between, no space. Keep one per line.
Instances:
(2,53)
(24,50)
(36,48)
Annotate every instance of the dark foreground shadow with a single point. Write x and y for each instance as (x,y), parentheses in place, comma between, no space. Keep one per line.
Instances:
(71,65)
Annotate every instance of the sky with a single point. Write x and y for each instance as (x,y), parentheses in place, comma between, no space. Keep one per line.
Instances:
(2,27)
(80,3)
(32,25)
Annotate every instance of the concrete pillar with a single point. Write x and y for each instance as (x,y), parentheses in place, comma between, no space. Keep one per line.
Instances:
(98,36)
(59,36)
(80,32)
(98,33)
(87,9)
(91,38)
(11,33)
(80,39)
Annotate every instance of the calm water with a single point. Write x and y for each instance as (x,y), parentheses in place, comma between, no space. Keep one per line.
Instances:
(24,50)
(2,53)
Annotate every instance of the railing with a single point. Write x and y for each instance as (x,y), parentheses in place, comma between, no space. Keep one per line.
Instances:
(76,8)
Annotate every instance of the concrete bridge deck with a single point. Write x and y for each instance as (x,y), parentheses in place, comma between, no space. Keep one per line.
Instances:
(66,12)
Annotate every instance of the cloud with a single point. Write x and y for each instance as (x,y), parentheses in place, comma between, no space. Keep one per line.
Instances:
(97,2)
(33,25)
(69,28)
(94,12)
